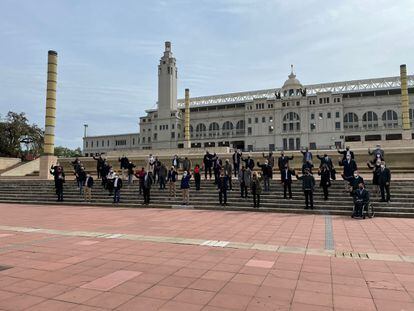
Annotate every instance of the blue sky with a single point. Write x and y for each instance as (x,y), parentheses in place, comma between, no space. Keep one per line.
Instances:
(109,51)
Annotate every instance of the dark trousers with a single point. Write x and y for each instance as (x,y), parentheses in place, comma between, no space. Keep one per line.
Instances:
(59,193)
(197,181)
(162,182)
(223,196)
(287,187)
(236,168)
(216,175)
(98,171)
(358,209)
(243,190)
(266,182)
(141,187)
(207,169)
(117,195)
(325,192)
(256,199)
(385,189)
(147,195)
(309,198)
(230,183)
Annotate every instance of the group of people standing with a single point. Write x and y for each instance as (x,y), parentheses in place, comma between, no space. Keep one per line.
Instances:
(242,168)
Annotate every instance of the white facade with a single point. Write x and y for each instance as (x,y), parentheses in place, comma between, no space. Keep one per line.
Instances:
(317,116)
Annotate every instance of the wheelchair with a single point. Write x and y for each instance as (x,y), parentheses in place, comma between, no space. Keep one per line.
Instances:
(367,210)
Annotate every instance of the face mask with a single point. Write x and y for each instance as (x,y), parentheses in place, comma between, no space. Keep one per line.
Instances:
(184,174)
(355,175)
(348,158)
(382,165)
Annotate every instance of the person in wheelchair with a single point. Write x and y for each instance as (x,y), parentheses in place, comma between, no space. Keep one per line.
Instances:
(361,201)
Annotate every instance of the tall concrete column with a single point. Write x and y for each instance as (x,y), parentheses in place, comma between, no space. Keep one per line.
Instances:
(404,103)
(48,158)
(187,142)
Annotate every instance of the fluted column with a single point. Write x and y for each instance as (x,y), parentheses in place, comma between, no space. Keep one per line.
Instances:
(187,137)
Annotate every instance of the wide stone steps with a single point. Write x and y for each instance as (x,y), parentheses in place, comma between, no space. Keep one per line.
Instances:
(340,203)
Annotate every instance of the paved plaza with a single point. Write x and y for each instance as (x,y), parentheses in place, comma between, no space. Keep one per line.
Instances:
(94,258)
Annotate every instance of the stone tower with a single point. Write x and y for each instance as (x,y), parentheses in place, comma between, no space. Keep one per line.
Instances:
(167,83)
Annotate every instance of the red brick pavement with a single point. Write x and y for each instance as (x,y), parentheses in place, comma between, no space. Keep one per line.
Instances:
(62,272)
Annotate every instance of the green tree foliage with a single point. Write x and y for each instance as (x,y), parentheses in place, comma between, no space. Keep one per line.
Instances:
(67,153)
(19,138)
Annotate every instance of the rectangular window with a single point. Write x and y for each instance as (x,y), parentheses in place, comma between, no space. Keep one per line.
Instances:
(284,127)
(263,119)
(133,140)
(256,120)
(337,125)
(249,130)
(270,119)
(327,100)
(337,114)
(312,116)
(86,144)
(328,115)
(143,140)
(320,115)
(173,126)
(155,136)
(172,134)
(91,144)
(249,120)
(290,126)
(320,100)
(149,139)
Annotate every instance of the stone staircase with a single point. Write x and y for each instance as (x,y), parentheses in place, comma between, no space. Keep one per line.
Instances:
(339,203)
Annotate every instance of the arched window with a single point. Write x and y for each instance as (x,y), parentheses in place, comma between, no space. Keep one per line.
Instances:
(411,114)
(350,121)
(390,119)
(213,129)
(291,122)
(191,130)
(370,120)
(201,130)
(227,128)
(240,128)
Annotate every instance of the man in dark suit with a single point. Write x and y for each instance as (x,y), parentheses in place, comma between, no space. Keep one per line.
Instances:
(266,174)
(282,161)
(346,152)
(208,163)
(361,199)
(117,188)
(249,163)
(59,177)
(236,161)
(222,188)
(287,181)
(146,187)
(308,186)
(384,180)
(349,165)
(325,160)
(99,164)
(307,155)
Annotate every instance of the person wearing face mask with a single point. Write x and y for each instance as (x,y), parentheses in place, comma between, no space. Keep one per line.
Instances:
(171,179)
(88,187)
(266,173)
(376,170)
(378,153)
(346,152)
(110,181)
(308,186)
(117,184)
(151,164)
(244,177)
(325,182)
(185,187)
(349,166)
(282,161)
(287,181)
(222,188)
(146,187)
(354,181)
(249,162)
(384,180)
(361,199)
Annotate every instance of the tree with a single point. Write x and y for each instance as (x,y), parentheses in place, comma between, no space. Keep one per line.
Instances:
(64,152)
(16,132)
